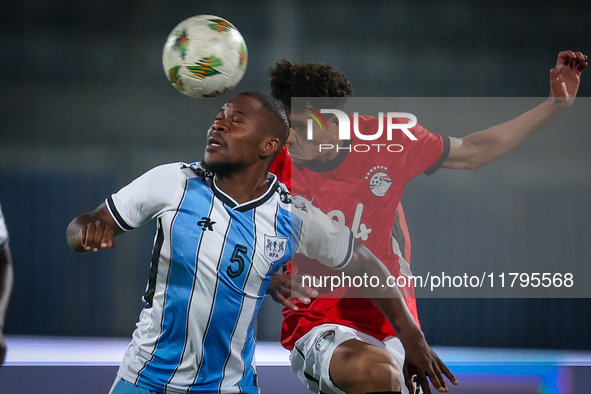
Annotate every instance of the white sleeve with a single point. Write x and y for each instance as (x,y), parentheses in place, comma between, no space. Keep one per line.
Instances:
(320,237)
(3,230)
(146,198)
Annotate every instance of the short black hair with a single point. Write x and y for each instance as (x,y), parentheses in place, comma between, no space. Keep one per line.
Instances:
(278,125)
(308,79)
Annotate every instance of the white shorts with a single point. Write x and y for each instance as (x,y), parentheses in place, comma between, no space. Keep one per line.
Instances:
(310,358)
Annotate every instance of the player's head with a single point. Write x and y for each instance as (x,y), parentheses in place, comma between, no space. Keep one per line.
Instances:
(277,120)
(250,129)
(324,87)
(309,79)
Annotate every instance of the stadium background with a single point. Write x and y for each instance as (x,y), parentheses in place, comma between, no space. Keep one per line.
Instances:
(86,108)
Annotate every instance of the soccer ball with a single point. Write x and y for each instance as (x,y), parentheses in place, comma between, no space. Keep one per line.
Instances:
(204,56)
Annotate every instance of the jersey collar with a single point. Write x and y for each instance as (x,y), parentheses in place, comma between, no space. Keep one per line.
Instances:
(245,206)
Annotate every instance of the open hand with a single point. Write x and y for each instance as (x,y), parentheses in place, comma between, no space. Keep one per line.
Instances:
(422,361)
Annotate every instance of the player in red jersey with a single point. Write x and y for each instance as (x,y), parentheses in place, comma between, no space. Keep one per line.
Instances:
(344,344)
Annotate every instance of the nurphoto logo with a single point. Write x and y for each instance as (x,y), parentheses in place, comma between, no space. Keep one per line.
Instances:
(393,120)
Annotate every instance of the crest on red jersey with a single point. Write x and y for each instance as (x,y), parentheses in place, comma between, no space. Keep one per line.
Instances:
(379,180)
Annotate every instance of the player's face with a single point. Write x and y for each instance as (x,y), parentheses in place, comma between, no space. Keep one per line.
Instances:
(301,149)
(236,134)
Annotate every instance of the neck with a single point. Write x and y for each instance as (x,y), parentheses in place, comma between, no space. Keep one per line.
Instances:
(245,185)
(333,153)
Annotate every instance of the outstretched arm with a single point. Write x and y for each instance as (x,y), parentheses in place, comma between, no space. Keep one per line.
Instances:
(93,231)
(483,147)
(333,245)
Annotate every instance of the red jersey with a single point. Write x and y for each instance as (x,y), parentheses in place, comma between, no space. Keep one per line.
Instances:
(362,188)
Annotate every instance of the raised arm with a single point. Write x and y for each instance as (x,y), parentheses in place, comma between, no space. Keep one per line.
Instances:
(93,231)
(483,147)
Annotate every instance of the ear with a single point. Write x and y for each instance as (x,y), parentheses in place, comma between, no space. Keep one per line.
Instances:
(335,120)
(269,146)
(333,124)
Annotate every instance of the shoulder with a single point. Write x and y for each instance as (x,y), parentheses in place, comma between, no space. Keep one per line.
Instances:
(162,181)
(288,204)
(164,175)
(150,195)
(283,193)
(179,171)
(302,208)
(195,170)
(165,170)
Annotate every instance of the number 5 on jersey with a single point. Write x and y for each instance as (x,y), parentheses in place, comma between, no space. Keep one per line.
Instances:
(237,261)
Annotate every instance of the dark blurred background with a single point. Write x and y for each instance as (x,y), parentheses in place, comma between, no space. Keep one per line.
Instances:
(86,108)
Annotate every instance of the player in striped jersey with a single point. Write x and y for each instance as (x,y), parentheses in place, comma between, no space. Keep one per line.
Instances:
(225,226)
(5,281)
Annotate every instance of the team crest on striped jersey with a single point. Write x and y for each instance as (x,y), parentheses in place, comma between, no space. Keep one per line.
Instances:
(275,247)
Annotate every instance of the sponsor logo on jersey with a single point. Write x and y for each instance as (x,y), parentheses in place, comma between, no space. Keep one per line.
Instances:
(325,339)
(275,247)
(206,224)
(379,180)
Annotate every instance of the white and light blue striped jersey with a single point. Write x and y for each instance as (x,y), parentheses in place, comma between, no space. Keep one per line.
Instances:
(212,262)
(3,230)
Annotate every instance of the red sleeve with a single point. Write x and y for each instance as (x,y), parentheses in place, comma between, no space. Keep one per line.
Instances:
(281,167)
(426,154)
